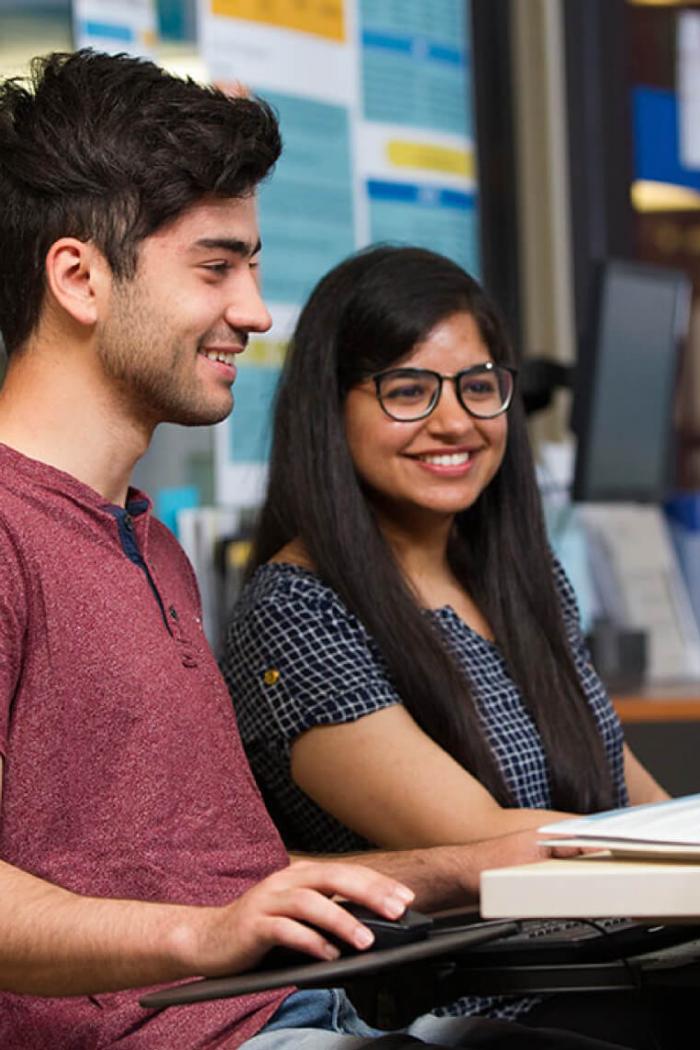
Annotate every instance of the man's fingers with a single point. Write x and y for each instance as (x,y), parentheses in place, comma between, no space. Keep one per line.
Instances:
(295,935)
(303,891)
(355,882)
(294,908)
(563,852)
(326,916)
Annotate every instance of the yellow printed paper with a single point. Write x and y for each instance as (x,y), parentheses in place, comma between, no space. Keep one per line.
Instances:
(323,18)
(431,158)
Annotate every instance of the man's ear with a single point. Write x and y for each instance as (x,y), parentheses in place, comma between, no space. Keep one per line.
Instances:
(78,278)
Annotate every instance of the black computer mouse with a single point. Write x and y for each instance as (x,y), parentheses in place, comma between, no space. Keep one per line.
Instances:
(388,933)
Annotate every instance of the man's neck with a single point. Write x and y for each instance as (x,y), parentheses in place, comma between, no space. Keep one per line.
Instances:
(63,420)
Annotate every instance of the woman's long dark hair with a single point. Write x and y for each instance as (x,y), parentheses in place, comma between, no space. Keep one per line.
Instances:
(362,317)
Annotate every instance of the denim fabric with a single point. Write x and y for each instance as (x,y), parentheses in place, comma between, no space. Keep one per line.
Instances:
(318,1019)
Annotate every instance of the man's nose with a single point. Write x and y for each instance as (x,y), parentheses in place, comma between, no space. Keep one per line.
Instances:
(247,309)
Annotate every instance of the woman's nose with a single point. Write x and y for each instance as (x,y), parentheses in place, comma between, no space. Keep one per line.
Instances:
(449,415)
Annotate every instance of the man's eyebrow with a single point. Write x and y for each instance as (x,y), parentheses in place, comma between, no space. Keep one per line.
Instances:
(229,244)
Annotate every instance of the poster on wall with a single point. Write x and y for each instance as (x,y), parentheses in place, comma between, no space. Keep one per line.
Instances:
(116,25)
(374,100)
(415,152)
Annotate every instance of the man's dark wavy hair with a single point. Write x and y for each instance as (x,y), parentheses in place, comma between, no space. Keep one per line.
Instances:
(108,148)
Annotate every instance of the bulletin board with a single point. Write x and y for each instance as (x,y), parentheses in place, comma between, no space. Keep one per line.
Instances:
(115,25)
(375,104)
(375,100)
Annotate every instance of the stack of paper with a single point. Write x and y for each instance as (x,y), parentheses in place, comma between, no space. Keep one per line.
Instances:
(669,830)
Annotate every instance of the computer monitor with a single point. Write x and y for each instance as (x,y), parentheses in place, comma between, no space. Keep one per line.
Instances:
(624,383)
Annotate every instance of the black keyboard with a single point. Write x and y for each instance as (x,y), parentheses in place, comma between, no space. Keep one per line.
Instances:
(574,940)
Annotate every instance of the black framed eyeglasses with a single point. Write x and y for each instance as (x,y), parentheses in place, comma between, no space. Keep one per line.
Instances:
(408,394)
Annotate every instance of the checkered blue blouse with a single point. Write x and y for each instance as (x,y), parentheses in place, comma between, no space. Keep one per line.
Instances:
(297,658)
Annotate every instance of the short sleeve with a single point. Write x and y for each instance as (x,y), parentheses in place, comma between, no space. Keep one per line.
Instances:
(297,659)
(13,626)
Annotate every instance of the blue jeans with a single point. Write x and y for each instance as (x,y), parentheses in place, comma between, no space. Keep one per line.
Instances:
(320,1019)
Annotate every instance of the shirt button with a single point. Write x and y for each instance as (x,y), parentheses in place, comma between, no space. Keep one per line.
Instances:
(271,676)
(173,612)
(128,523)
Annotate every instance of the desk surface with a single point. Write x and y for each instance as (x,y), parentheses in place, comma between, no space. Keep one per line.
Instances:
(582,887)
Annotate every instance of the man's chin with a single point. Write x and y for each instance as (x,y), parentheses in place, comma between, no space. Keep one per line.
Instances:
(205,416)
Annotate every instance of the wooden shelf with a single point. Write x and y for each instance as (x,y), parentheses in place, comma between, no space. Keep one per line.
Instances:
(662,726)
(673,703)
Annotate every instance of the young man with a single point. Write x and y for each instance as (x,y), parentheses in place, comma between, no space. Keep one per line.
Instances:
(135,848)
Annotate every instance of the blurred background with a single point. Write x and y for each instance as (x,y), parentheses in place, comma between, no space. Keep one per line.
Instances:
(552,147)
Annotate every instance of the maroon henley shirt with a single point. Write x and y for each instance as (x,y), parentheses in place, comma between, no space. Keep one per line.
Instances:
(124,773)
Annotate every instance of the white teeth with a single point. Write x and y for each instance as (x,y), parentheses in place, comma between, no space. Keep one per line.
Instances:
(219,355)
(454,459)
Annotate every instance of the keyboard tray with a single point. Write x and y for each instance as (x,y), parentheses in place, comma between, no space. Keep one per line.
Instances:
(544,941)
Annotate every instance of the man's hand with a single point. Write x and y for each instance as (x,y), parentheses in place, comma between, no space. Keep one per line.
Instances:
(234,938)
(521,847)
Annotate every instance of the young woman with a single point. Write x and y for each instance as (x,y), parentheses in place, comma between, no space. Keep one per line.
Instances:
(406,659)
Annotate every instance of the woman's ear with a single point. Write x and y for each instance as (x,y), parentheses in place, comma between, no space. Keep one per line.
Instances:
(77,277)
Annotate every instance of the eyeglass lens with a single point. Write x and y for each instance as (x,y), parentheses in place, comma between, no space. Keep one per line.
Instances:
(409,394)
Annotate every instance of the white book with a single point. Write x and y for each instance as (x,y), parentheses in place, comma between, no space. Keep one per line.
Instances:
(661,829)
(592,886)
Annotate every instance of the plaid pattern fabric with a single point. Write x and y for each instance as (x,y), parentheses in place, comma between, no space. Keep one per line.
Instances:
(297,658)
